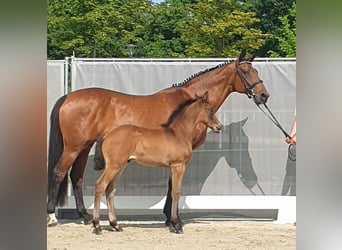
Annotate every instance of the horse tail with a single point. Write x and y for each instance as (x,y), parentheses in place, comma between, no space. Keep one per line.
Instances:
(56,150)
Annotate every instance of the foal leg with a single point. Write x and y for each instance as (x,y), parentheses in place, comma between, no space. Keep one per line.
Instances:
(76,176)
(177,172)
(101,184)
(168,205)
(57,176)
(110,192)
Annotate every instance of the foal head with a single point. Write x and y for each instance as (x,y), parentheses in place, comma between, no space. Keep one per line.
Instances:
(206,114)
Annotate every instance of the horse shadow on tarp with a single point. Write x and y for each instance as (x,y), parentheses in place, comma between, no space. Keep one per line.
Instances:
(226,164)
(230,147)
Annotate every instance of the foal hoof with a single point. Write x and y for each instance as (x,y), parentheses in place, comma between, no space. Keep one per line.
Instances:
(178,228)
(97,231)
(116,226)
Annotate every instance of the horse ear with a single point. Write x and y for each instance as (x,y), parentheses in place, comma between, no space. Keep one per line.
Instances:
(242,55)
(251,58)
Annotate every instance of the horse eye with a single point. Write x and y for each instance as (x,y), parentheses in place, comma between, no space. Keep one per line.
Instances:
(245,72)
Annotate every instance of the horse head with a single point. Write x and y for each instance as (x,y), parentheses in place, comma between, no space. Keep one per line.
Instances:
(250,83)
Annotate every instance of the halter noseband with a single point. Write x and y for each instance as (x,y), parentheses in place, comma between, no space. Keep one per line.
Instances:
(249,86)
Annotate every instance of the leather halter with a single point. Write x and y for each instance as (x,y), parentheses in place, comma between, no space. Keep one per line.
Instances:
(249,86)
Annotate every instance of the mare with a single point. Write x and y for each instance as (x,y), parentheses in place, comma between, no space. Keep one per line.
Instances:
(83,116)
(167,146)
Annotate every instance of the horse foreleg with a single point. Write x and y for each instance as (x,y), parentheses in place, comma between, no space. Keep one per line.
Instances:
(177,172)
(76,176)
(168,204)
(110,192)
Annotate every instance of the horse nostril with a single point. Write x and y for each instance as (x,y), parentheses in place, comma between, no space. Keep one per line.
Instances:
(264,96)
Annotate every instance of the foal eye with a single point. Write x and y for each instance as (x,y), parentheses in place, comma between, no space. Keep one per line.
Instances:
(245,72)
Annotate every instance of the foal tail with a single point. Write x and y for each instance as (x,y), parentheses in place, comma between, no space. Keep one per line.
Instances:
(55,151)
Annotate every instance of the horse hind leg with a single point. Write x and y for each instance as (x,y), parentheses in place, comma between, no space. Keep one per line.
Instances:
(98,158)
(76,176)
(56,181)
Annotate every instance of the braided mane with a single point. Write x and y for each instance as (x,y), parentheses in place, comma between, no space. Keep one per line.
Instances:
(198,74)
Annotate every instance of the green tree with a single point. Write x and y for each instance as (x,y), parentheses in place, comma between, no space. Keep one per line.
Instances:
(286,35)
(269,11)
(94,28)
(220,28)
(161,37)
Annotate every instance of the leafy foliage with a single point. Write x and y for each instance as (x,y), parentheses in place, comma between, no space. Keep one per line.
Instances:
(220,28)
(173,28)
(286,35)
(94,28)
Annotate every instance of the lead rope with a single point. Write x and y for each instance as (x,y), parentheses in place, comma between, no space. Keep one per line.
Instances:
(291,155)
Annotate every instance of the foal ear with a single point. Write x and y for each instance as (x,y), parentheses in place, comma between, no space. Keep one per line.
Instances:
(205,97)
(242,55)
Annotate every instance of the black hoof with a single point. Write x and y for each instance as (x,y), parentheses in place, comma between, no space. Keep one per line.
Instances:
(87,221)
(87,218)
(168,223)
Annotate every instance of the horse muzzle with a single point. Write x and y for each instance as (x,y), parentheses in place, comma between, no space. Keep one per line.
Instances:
(261,98)
(217,128)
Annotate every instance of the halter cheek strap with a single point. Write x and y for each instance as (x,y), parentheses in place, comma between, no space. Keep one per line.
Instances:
(249,86)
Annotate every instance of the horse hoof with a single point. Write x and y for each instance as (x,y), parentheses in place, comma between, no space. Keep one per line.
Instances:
(177,228)
(52,220)
(52,224)
(97,231)
(88,220)
(116,226)
(168,223)
(179,231)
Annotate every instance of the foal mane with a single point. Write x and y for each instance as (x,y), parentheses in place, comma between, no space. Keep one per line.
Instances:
(198,74)
(177,111)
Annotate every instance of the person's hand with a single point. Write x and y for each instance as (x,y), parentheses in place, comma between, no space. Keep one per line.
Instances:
(291,141)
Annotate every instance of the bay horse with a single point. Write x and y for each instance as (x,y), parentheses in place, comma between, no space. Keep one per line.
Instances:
(81,117)
(169,146)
